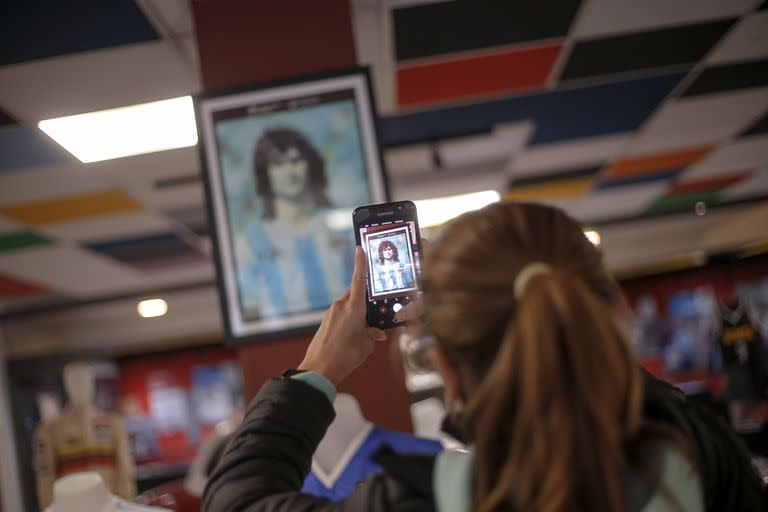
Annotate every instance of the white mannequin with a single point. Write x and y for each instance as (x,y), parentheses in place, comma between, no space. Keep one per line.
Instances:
(86,492)
(80,437)
(78,381)
(82,492)
(342,439)
(47,406)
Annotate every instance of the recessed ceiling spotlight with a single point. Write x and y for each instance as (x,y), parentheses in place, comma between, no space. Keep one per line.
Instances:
(700,208)
(152,307)
(593,236)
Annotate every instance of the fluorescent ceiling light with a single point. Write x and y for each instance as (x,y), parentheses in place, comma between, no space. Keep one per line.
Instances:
(126,131)
(152,308)
(433,212)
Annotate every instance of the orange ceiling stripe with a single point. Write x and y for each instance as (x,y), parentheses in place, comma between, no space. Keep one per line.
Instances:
(656,162)
(52,211)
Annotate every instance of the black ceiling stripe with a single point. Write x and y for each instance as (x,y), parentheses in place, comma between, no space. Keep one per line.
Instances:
(727,77)
(177,181)
(763,6)
(645,50)
(448,27)
(562,174)
(759,127)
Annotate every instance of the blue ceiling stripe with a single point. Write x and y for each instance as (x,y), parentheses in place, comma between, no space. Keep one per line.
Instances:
(23,146)
(49,28)
(559,115)
(637,180)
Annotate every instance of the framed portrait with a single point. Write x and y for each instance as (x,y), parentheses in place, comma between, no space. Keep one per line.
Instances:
(284,165)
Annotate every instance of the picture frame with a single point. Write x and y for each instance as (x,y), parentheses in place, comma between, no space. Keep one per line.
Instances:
(284,165)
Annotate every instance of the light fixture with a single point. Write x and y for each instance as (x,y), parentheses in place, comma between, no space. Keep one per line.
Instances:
(433,212)
(126,131)
(152,307)
(701,208)
(593,236)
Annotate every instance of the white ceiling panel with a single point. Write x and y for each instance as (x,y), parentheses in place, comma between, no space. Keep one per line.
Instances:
(699,120)
(611,203)
(548,159)
(747,41)
(88,81)
(605,17)
(407,159)
(742,155)
(7,225)
(109,228)
(69,270)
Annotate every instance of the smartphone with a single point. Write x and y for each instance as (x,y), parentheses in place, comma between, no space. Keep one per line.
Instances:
(389,236)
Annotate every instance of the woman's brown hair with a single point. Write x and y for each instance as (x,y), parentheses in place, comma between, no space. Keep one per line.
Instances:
(555,412)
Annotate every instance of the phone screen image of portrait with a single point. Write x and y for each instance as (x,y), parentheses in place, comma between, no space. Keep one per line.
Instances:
(392,252)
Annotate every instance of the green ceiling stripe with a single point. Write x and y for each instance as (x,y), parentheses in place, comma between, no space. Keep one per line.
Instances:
(21,239)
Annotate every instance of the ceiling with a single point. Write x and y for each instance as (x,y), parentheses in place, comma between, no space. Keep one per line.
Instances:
(627,114)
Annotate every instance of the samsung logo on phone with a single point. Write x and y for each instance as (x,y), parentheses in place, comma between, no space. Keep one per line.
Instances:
(382,214)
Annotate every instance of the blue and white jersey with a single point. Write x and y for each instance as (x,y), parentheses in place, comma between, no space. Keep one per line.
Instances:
(356,465)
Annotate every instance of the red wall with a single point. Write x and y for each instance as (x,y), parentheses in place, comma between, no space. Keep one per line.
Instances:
(135,377)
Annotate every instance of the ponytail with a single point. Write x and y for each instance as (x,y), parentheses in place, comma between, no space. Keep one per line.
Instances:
(558,406)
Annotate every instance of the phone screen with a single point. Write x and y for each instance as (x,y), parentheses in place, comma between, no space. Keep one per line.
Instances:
(389,236)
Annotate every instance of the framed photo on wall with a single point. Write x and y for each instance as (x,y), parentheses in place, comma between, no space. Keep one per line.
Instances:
(284,165)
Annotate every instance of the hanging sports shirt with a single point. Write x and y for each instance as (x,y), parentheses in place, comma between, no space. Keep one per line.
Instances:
(742,349)
(78,441)
(355,465)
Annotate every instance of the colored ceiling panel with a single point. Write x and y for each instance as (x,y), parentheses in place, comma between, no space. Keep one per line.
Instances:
(640,179)
(717,183)
(547,159)
(550,190)
(23,147)
(52,211)
(682,202)
(448,27)
(560,174)
(21,239)
(49,28)
(476,76)
(645,50)
(755,185)
(6,119)
(603,17)
(560,115)
(759,127)
(746,41)
(11,288)
(746,153)
(134,250)
(727,77)
(639,165)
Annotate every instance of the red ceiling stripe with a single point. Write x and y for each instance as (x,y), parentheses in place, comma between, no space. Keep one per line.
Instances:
(11,287)
(475,76)
(707,184)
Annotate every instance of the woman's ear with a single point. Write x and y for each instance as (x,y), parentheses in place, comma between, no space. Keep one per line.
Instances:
(454,391)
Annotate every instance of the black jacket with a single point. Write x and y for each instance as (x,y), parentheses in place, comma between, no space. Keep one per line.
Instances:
(269,457)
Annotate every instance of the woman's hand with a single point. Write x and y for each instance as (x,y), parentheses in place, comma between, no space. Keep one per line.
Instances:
(343,341)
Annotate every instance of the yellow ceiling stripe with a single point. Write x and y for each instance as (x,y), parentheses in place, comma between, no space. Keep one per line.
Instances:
(64,209)
(555,190)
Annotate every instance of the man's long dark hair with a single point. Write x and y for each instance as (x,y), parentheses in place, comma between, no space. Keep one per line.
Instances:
(272,144)
(386,244)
